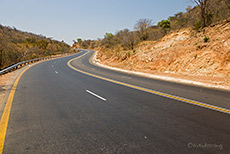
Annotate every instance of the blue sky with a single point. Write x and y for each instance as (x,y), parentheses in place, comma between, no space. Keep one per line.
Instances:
(87,19)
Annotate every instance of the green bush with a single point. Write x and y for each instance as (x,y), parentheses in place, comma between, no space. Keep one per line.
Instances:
(165,24)
(206,39)
(195,56)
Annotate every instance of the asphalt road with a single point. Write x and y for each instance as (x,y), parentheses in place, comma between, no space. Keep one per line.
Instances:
(59,110)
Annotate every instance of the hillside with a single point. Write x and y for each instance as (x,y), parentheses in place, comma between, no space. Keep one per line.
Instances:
(186,53)
(191,45)
(16,46)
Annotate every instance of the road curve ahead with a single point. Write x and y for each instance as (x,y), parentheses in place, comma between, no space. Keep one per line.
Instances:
(71,106)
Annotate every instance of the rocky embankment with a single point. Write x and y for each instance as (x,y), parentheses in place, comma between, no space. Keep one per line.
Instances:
(199,56)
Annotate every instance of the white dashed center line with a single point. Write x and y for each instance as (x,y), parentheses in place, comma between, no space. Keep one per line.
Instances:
(95,95)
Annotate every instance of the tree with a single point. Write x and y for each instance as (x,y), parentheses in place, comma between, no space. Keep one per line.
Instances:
(127,38)
(165,25)
(79,40)
(85,44)
(108,35)
(142,25)
(202,4)
(131,40)
(108,40)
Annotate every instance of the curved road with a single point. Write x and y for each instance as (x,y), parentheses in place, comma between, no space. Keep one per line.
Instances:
(57,109)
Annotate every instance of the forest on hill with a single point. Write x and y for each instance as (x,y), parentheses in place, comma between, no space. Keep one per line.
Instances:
(16,46)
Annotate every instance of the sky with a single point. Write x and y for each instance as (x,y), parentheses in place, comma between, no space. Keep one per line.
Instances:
(87,19)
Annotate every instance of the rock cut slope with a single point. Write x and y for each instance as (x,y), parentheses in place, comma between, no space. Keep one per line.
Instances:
(182,54)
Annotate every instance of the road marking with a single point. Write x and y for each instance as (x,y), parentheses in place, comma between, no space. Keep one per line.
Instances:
(56,72)
(6,112)
(185,100)
(96,95)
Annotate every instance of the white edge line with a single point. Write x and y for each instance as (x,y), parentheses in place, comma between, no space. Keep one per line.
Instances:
(96,95)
